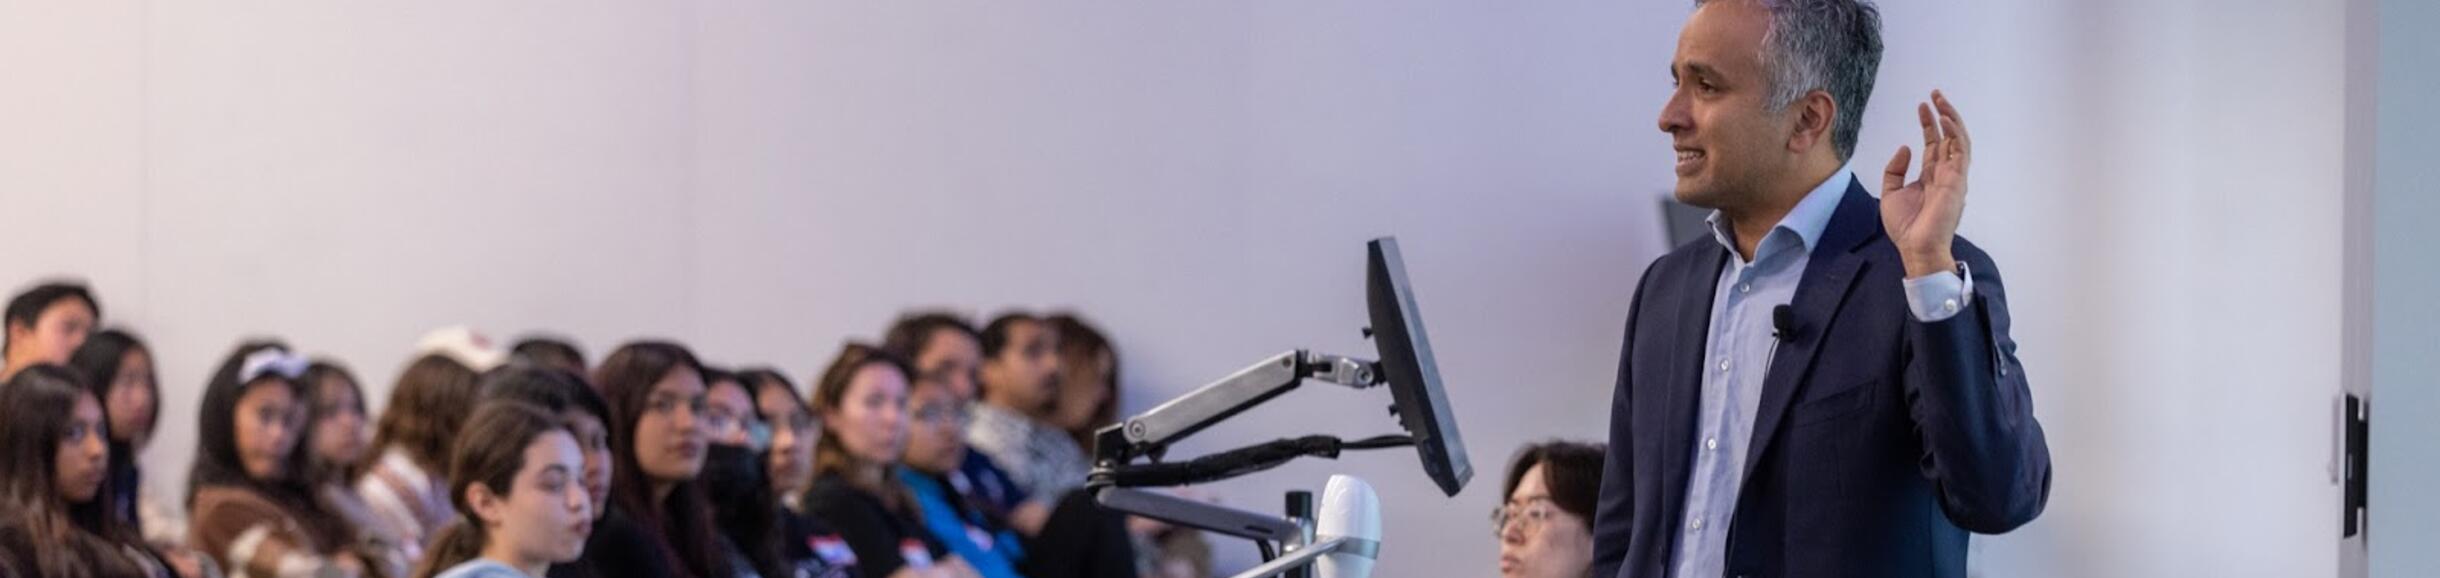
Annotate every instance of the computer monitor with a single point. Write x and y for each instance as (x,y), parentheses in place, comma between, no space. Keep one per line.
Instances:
(1406,363)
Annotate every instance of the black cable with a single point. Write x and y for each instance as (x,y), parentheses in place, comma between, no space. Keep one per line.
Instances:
(1267,556)
(1238,462)
(1381,442)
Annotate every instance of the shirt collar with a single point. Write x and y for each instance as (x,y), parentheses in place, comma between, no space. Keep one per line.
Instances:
(1804,222)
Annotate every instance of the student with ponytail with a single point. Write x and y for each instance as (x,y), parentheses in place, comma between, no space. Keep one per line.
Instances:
(515,479)
(587,417)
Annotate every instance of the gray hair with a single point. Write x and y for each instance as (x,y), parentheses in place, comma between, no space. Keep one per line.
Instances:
(1828,45)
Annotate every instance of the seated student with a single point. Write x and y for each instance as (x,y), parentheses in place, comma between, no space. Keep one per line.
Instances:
(743,507)
(861,400)
(1020,364)
(816,549)
(1015,427)
(407,483)
(943,347)
(658,444)
(514,478)
(55,520)
(118,367)
(1545,526)
(45,324)
(254,509)
(587,417)
(335,418)
(772,539)
(119,370)
(936,445)
(727,403)
(781,411)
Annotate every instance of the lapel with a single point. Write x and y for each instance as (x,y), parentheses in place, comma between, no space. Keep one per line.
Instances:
(1683,384)
(1829,274)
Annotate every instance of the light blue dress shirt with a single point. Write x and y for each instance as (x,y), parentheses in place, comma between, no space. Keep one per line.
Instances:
(1738,350)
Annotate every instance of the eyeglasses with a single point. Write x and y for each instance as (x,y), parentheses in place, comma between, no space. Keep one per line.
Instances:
(1529,516)
(667,403)
(950,414)
(798,423)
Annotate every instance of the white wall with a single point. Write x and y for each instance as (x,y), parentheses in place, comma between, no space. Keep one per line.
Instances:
(767,179)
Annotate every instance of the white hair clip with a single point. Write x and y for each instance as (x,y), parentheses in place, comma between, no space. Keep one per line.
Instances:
(271,360)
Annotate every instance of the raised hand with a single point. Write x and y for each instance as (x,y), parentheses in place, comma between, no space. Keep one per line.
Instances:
(1921,217)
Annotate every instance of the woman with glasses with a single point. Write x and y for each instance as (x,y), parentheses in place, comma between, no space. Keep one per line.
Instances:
(658,443)
(1544,528)
(936,445)
(728,407)
(744,508)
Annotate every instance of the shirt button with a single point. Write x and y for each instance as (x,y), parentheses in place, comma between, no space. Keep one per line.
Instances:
(1697,524)
(1711,443)
(1745,287)
(1949,306)
(1723,364)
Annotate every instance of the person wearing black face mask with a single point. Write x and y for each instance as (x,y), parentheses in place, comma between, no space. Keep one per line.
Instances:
(774,541)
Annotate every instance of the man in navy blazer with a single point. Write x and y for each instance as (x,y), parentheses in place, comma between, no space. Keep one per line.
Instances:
(1825,386)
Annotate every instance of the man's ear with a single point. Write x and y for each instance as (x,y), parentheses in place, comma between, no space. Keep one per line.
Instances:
(1815,113)
(488,506)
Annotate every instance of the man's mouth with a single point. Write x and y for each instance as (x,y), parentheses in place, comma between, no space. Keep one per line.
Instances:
(1688,160)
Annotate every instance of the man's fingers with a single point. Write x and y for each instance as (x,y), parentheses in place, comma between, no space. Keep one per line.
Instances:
(1956,125)
(1931,130)
(1895,177)
(1955,148)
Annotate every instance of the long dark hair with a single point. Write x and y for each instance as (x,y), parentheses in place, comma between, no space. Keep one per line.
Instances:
(39,528)
(315,373)
(830,394)
(684,521)
(757,380)
(216,458)
(1080,342)
(99,360)
(427,406)
(489,452)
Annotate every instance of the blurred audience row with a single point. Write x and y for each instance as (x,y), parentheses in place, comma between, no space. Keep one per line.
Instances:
(943,450)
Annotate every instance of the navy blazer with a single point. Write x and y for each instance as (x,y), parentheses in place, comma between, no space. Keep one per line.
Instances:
(1880,440)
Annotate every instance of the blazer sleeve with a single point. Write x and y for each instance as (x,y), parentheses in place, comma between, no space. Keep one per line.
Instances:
(1982,449)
